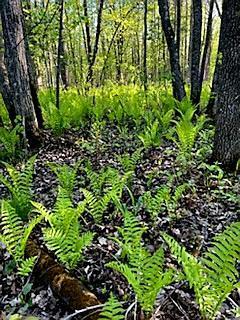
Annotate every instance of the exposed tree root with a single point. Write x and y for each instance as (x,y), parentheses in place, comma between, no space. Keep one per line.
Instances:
(67,288)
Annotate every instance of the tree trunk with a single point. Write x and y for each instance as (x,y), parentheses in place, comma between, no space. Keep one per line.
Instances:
(5,89)
(95,49)
(227,137)
(207,43)
(196,50)
(16,63)
(145,71)
(177,80)
(178,36)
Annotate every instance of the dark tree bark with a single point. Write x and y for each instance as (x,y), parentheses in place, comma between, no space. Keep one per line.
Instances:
(145,71)
(16,64)
(196,50)
(88,33)
(60,58)
(5,89)
(95,49)
(227,137)
(207,45)
(178,35)
(177,80)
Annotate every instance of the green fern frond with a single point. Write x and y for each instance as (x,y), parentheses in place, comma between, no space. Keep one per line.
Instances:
(63,236)
(215,276)
(15,236)
(20,187)
(112,310)
(26,266)
(66,175)
(144,272)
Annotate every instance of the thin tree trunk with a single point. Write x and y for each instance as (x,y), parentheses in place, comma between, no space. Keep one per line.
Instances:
(60,50)
(207,43)
(178,36)
(17,68)
(227,103)
(95,49)
(145,34)
(196,51)
(88,33)
(177,80)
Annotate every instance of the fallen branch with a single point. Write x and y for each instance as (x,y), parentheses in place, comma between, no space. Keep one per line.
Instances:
(67,288)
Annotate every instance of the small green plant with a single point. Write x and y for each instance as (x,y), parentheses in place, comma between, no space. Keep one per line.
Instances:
(187,131)
(129,162)
(63,236)
(144,272)
(151,136)
(66,175)
(164,198)
(214,276)
(106,185)
(112,310)
(9,142)
(15,235)
(20,187)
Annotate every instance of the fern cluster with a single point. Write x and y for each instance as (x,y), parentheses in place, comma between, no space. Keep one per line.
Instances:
(151,136)
(214,276)
(9,142)
(164,197)
(106,186)
(187,130)
(66,175)
(20,187)
(144,272)
(129,162)
(63,236)
(15,235)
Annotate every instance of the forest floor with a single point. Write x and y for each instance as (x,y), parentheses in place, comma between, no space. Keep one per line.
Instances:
(204,210)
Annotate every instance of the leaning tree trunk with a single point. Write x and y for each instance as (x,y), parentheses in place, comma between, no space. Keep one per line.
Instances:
(196,50)
(177,80)
(16,64)
(227,102)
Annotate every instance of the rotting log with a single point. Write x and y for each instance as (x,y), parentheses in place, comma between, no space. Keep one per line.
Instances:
(69,289)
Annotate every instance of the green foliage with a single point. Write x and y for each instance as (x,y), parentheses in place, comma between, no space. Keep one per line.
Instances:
(163,198)
(214,276)
(151,136)
(66,175)
(9,142)
(63,236)
(20,187)
(15,235)
(112,310)
(144,272)
(107,185)
(129,162)
(187,130)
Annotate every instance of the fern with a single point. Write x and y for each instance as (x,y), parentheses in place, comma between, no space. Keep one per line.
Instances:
(66,175)
(214,276)
(9,142)
(151,135)
(63,236)
(20,187)
(96,206)
(112,310)
(144,272)
(107,186)
(15,236)
(129,162)
(163,197)
(187,132)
